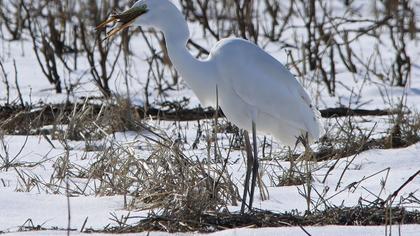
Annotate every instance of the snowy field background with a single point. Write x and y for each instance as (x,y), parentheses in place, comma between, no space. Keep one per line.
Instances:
(44,174)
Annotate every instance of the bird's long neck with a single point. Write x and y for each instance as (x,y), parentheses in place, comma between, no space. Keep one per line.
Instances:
(176,44)
(195,72)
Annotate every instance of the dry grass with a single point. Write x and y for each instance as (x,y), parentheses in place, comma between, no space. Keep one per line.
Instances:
(167,182)
(182,193)
(358,215)
(79,121)
(93,122)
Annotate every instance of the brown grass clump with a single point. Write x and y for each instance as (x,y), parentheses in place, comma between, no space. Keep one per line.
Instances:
(183,188)
(89,121)
(167,182)
(79,121)
(404,132)
(359,215)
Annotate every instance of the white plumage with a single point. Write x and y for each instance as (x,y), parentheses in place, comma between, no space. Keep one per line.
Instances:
(252,85)
(255,91)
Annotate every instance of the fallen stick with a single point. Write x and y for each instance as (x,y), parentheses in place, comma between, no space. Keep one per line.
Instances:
(49,112)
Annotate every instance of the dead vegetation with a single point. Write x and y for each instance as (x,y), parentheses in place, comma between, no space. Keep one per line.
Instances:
(173,185)
(207,223)
(180,191)
(359,215)
(121,113)
(321,44)
(186,193)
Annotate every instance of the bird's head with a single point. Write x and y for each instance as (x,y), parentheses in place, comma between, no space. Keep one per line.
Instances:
(144,13)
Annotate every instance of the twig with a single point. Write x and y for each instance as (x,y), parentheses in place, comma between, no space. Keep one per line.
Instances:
(395,193)
(6,83)
(22,104)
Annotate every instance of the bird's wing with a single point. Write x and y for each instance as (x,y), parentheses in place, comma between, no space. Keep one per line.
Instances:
(264,83)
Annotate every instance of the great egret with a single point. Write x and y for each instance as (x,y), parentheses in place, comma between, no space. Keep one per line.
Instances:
(254,89)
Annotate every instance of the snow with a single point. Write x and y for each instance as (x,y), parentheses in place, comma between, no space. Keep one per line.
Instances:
(377,173)
(50,210)
(405,230)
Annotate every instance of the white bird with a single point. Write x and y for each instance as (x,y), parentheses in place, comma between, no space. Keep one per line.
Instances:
(254,89)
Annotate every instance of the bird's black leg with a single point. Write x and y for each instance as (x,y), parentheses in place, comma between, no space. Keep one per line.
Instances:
(248,170)
(255,165)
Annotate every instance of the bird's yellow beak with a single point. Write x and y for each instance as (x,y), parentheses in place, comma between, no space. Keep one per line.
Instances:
(124,19)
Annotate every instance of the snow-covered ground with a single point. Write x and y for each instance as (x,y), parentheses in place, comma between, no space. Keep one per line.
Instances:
(372,174)
(406,230)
